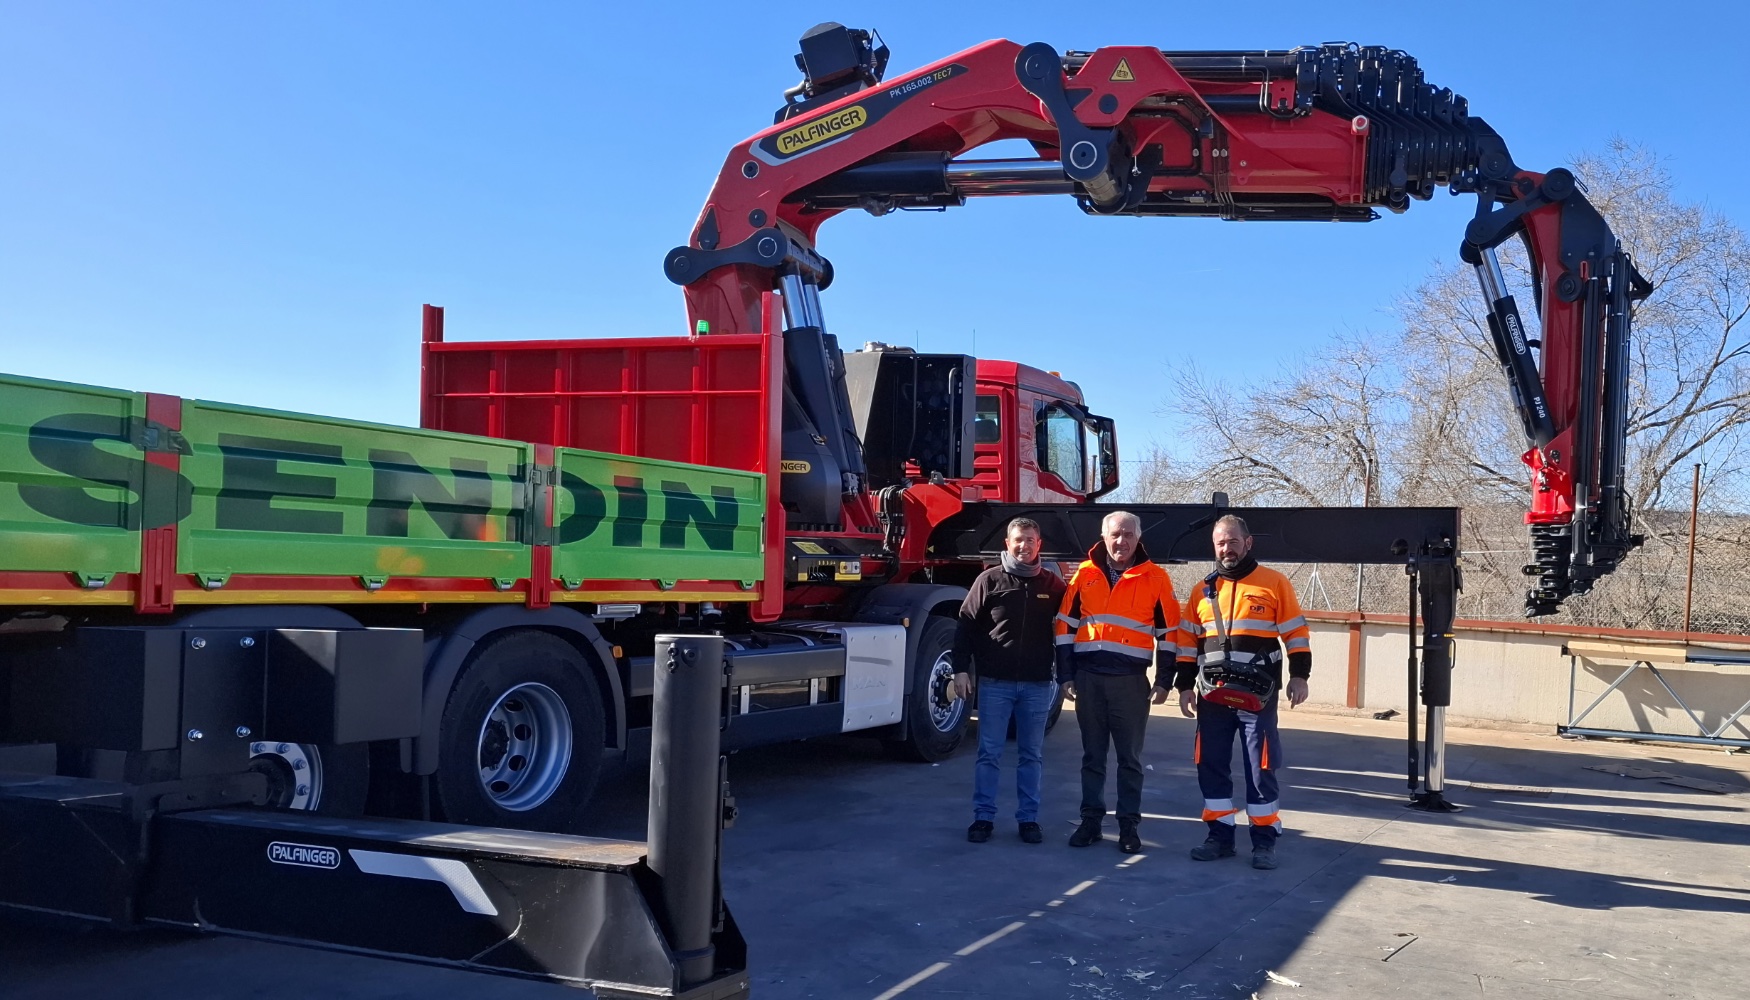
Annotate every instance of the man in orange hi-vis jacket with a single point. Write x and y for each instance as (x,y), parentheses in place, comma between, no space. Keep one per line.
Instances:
(1119,616)
(1240,620)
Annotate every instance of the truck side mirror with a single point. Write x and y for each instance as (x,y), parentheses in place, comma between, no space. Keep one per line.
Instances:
(1105,456)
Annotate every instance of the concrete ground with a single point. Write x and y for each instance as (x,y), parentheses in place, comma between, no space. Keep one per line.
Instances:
(851,877)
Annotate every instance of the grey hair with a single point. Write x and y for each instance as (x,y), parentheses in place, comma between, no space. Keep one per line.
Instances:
(1122,516)
(1236,522)
(1023,524)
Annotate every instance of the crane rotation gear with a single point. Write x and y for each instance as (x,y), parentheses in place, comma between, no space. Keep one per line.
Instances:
(1331,132)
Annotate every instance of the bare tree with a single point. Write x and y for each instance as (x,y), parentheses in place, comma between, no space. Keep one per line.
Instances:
(1424,416)
(1155,477)
(1318,433)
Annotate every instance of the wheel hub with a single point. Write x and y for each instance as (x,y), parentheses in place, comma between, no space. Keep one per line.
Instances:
(945,713)
(524,748)
(294,773)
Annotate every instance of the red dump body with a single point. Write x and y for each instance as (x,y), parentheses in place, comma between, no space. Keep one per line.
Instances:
(704,400)
(715,400)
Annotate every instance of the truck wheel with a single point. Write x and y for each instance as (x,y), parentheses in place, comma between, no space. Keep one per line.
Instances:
(325,778)
(520,741)
(934,724)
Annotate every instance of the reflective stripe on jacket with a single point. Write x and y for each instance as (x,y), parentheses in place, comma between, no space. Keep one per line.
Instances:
(1118,629)
(1263,620)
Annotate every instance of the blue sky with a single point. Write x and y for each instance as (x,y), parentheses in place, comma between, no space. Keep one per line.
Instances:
(249,202)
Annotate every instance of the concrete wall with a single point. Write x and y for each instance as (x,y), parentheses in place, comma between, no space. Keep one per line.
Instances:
(1515,674)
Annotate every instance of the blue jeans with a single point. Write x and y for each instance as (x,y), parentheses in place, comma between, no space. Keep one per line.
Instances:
(1028,703)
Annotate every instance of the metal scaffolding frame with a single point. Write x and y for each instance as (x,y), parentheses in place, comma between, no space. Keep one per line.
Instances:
(1705,737)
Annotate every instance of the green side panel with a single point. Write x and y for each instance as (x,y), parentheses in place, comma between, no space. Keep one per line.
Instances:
(623,518)
(70,477)
(291,494)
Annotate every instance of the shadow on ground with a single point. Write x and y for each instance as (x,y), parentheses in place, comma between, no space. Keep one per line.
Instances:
(851,878)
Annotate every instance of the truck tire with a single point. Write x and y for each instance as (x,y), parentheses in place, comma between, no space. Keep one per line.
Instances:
(520,741)
(324,778)
(933,730)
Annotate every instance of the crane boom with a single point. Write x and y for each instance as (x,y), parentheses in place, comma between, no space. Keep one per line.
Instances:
(1333,132)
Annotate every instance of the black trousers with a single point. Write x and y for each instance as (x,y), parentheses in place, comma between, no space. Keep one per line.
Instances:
(1112,711)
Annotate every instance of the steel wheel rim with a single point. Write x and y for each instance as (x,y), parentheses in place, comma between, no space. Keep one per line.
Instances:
(294,769)
(524,747)
(945,719)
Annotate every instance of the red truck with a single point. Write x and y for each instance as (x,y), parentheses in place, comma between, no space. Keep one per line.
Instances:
(927,440)
(201,605)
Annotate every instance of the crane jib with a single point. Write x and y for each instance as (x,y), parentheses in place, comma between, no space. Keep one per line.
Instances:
(1328,132)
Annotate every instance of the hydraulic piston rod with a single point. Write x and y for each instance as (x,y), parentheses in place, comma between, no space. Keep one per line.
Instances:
(988,178)
(1513,350)
(922,180)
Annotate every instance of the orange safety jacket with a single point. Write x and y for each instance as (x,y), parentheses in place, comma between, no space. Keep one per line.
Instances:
(1118,629)
(1263,620)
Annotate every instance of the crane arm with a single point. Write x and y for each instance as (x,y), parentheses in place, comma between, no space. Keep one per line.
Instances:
(1329,133)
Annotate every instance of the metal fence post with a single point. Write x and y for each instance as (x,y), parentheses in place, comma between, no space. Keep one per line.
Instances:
(1689,575)
(685,794)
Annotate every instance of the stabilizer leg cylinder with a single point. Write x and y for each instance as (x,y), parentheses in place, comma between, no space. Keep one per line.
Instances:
(1439,597)
(685,794)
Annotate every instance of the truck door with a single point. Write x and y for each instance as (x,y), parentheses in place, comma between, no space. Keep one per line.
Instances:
(992,462)
(1074,458)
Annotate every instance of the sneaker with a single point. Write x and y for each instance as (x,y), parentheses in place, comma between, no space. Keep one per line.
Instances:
(1264,858)
(1128,840)
(1212,849)
(980,831)
(1087,833)
(1032,834)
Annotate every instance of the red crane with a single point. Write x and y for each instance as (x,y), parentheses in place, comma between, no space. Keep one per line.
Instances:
(1327,133)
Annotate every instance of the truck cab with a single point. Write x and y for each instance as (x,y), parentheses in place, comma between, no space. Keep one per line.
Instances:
(1035,441)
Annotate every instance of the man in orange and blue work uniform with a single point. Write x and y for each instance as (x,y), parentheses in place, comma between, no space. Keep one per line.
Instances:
(1242,618)
(1119,612)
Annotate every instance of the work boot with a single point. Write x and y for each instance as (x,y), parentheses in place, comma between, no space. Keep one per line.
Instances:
(1212,849)
(1087,833)
(1032,834)
(980,831)
(1128,840)
(1264,858)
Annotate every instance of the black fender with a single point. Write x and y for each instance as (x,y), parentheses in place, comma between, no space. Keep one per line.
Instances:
(911,604)
(447,650)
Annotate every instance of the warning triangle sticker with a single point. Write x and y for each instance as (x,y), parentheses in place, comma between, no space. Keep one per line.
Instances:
(1123,74)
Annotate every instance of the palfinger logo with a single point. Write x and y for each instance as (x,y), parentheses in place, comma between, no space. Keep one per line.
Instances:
(303,855)
(821,129)
(813,134)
